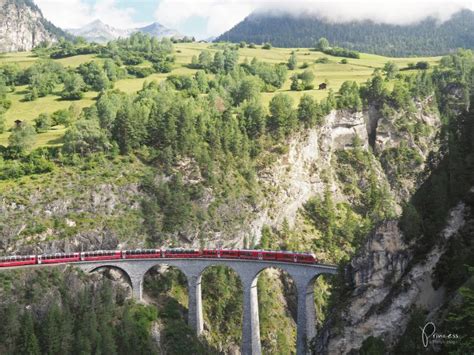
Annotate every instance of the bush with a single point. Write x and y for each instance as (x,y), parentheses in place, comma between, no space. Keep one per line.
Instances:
(423,65)
(140,72)
(23,137)
(163,67)
(342,52)
(322,60)
(42,122)
(267,45)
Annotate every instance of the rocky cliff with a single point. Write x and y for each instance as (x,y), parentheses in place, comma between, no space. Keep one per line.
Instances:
(22,26)
(309,166)
(386,284)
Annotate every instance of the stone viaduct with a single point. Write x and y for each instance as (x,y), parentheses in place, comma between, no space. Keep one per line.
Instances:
(303,276)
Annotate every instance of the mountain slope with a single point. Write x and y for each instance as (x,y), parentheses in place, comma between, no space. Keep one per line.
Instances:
(99,32)
(22,26)
(425,38)
(158,30)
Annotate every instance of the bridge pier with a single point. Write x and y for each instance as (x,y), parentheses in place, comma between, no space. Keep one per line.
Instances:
(306,316)
(195,318)
(250,322)
(137,287)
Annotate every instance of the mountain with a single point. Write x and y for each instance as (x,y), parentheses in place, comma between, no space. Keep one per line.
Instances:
(158,30)
(428,37)
(99,32)
(22,26)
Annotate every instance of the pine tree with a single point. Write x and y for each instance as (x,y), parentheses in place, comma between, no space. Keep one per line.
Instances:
(28,342)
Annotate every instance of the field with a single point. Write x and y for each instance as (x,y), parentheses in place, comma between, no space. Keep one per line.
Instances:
(334,73)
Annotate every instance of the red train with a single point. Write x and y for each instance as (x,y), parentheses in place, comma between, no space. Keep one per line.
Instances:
(61,258)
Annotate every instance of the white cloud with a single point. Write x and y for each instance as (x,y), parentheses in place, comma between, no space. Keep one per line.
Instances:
(77,13)
(221,15)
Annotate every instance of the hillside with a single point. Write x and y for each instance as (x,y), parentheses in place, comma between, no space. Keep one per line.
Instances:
(428,37)
(22,26)
(332,71)
(197,145)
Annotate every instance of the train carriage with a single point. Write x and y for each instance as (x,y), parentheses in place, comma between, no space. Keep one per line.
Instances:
(58,258)
(305,258)
(182,253)
(143,254)
(269,255)
(101,255)
(210,253)
(20,260)
(250,254)
(230,254)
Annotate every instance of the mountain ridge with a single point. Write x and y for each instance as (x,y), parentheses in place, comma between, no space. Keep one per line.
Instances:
(428,37)
(100,32)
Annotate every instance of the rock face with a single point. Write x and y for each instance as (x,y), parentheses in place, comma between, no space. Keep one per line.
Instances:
(40,221)
(307,169)
(376,307)
(297,175)
(22,26)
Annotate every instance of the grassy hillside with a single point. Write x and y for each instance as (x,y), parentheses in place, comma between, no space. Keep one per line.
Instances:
(333,72)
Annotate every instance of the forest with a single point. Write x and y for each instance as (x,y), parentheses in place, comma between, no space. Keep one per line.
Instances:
(428,37)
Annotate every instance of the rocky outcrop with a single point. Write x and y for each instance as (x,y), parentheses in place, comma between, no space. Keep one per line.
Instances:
(384,290)
(306,169)
(298,175)
(22,26)
(53,215)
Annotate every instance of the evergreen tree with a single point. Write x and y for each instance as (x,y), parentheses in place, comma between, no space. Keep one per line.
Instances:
(292,61)
(282,116)
(28,342)
(308,111)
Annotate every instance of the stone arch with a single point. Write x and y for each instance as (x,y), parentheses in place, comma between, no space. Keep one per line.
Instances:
(125,275)
(222,300)
(162,277)
(166,286)
(275,283)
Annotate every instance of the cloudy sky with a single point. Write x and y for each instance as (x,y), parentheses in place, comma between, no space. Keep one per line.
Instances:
(205,18)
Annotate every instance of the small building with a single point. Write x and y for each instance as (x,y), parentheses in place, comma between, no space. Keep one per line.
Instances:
(18,123)
(323,86)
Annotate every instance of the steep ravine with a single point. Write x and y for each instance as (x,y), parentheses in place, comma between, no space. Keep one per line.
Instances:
(377,308)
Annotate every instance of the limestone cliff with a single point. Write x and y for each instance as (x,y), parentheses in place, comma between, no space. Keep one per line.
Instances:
(22,26)
(310,165)
(385,284)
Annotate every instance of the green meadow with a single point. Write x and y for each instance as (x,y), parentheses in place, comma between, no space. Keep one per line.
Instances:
(333,72)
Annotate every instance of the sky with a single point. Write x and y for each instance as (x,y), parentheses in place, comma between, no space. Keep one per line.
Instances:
(206,18)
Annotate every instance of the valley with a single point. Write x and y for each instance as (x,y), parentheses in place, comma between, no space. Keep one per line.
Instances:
(359,161)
